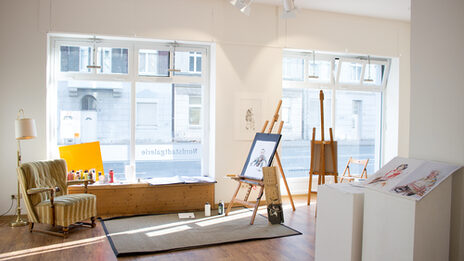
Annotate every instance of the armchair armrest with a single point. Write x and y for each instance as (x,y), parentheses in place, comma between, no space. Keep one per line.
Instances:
(82,181)
(33,191)
(52,191)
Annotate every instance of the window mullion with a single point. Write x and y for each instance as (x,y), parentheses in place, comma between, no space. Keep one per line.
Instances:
(132,72)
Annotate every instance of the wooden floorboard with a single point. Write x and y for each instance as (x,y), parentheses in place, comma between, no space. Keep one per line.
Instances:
(92,244)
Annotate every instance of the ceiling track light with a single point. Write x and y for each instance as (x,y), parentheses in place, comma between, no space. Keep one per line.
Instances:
(289,9)
(242,5)
(313,65)
(369,79)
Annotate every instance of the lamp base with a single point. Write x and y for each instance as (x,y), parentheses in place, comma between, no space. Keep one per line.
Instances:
(18,222)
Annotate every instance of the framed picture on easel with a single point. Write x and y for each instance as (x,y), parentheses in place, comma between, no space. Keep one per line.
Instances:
(261,154)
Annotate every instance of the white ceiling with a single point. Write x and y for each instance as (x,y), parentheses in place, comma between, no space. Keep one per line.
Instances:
(391,9)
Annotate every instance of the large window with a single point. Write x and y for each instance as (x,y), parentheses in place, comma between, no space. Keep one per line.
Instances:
(145,102)
(353,89)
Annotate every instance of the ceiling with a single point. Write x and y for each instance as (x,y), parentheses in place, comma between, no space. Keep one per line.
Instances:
(391,9)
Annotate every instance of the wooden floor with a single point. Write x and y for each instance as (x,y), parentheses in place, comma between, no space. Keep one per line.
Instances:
(92,244)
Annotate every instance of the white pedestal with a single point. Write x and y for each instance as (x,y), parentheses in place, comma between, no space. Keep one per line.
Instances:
(402,229)
(339,222)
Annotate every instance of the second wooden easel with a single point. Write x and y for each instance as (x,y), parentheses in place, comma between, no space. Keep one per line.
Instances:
(319,160)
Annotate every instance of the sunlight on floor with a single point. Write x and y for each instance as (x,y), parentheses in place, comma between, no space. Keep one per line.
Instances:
(175,224)
(50,248)
(168,231)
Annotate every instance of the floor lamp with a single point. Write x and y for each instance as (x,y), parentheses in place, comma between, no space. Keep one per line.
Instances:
(24,130)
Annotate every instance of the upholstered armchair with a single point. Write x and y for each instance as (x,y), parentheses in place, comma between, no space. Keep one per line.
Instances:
(45,191)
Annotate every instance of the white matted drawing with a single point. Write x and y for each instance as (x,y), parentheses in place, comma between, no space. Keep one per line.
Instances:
(410,178)
(248,115)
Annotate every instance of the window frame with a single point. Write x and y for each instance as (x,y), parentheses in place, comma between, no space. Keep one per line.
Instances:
(133,45)
(335,85)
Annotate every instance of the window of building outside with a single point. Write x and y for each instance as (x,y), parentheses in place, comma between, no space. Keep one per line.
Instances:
(149,111)
(352,107)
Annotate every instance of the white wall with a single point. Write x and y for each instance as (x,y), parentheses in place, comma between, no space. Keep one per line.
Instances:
(437,109)
(248,58)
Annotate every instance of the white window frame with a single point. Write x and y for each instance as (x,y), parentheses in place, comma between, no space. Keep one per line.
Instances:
(335,85)
(133,45)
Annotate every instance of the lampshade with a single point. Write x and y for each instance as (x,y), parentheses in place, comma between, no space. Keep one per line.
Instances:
(25,129)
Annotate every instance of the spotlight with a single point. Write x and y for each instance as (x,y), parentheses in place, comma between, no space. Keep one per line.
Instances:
(242,5)
(289,9)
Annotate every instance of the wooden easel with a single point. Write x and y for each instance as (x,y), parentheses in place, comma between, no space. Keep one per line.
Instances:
(254,182)
(321,170)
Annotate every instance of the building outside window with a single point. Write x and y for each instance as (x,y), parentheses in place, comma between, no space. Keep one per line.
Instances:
(140,109)
(352,107)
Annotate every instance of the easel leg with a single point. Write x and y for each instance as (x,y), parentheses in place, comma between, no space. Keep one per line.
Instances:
(285,179)
(257,205)
(229,207)
(310,186)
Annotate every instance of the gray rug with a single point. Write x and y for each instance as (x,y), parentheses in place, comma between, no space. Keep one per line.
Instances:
(156,233)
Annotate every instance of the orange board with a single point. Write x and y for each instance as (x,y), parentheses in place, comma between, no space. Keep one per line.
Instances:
(84,156)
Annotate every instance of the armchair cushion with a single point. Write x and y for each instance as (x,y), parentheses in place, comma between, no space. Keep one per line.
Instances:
(69,209)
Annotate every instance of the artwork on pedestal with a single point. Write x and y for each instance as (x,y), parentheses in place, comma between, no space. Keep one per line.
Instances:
(410,178)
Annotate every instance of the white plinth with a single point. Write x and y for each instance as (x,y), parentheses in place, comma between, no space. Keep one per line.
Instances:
(402,229)
(339,222)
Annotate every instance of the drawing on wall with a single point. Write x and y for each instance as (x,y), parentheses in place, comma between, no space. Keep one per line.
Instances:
(248,115)
(261,154)
(250,119)
(410,178)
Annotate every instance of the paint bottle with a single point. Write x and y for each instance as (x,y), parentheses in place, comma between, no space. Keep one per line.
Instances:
(111,176)
(221,207)
(207,209)
(77,176)
(93,175)
(100,177)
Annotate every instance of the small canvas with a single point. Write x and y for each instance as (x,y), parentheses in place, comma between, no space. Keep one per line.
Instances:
(84,156)
(330,162)
(261,155)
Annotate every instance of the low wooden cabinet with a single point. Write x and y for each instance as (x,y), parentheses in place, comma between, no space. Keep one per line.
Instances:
(143,198)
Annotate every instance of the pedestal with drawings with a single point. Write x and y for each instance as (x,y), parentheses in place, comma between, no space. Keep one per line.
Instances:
(405,214)
(407,209)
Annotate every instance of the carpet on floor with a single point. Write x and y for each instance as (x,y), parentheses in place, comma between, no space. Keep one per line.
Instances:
(166,232)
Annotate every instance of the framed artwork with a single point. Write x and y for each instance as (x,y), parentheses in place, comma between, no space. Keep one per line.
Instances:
(261,154)
(248,115)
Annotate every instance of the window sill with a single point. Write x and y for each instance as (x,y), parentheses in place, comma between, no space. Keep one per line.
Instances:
(143,198)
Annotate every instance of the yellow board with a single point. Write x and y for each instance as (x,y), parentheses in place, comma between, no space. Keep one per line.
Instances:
(84,156)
